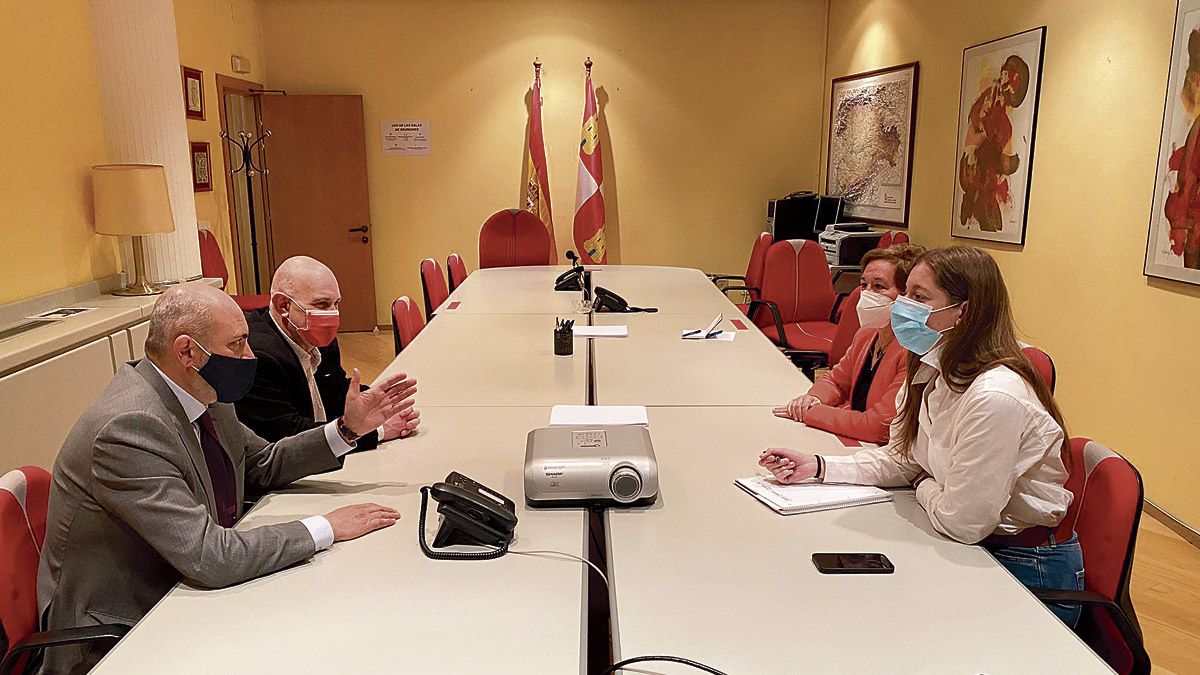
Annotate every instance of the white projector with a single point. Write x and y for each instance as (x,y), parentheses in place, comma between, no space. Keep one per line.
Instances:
(574,466)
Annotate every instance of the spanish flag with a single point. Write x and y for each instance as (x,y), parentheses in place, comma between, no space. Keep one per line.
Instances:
(537,177)
(589,196)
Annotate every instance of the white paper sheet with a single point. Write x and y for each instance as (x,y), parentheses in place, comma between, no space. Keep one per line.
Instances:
(601,331)
(596,415)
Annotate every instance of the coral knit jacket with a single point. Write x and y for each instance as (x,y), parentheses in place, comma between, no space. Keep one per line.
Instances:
(836,387)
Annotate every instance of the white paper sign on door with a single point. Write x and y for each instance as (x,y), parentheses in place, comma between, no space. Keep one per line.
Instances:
(405,137)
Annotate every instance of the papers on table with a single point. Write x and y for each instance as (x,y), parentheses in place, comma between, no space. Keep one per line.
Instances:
(708,333)
(601,331)
(598,415)
(810,497)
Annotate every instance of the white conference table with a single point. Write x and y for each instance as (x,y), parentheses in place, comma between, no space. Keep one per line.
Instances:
(492,360)
(711,574)
(529,290)
(654,366)
(377,604)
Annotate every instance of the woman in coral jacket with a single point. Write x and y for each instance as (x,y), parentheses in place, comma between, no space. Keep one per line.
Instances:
(857,397)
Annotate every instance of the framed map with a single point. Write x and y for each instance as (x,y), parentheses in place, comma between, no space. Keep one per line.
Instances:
(1173,243)
(871,119)
(997,118)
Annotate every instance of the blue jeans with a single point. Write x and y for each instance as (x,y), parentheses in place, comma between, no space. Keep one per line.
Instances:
(1056,566)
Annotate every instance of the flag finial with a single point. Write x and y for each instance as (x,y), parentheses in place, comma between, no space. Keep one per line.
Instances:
(537,63)
(588,64)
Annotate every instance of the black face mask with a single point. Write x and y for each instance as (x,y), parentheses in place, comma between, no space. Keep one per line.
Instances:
(230,377)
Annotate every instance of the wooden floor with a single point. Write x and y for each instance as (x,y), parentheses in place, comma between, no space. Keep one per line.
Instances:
(1166,569)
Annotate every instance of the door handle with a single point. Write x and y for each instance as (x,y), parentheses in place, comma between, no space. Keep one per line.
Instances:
(361,228)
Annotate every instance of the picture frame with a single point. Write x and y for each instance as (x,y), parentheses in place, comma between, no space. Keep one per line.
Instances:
(193,93)
(999,95)
(872,118)
(1173,239)
(201,162)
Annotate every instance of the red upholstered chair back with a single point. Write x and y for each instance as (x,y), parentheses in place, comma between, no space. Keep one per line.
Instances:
(886,240)
(24,494)
(1107,508)
(433,282)
(796,278)
(212,266)
(1044,365)
(847,326)
(758,257)
(513,238)
(406,322)
(212,263)
(456,270)
(899,237)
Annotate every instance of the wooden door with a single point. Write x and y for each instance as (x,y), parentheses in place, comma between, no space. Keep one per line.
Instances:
(317,193)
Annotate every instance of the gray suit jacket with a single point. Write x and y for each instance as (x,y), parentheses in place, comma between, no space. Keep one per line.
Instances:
(132,509)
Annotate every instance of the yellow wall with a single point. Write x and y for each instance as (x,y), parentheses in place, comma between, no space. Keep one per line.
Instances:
(210,31)
(710,108)
(51,134)
(1125,346)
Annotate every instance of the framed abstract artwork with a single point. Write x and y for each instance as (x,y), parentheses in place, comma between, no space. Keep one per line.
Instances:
(193,93)
(201,168)
(871,118)
(1173,243)
(997,119)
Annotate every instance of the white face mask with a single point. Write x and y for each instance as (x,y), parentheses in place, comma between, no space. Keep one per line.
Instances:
(874,310)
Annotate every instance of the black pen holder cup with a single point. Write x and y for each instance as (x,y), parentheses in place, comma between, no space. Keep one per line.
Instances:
(564,343)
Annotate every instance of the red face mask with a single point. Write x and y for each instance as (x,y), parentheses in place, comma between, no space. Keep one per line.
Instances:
(320,325)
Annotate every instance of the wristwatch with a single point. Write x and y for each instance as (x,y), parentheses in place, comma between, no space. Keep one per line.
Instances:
(345,432)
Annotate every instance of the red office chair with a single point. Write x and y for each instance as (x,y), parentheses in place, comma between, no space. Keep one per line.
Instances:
(433,283)
(212,266)
(406,322)
(456,270)
(886,240)
(899,237)
(1044,365)
(798,293)
(847,326)
(752,282)
(1106,508)
(513,238)
(24,494)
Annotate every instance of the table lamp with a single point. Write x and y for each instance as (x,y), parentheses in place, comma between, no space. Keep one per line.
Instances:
(132,200)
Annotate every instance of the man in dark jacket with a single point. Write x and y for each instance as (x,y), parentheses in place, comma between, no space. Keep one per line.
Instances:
(300,382)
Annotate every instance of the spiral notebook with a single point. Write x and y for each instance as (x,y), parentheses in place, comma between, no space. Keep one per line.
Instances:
(809,497)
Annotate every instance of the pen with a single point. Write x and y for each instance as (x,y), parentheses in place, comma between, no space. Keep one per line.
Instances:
(713,334)
(692,332)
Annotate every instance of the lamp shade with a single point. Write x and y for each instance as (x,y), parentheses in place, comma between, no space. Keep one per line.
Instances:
(131,199)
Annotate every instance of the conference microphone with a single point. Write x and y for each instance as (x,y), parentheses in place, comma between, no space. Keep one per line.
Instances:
(573,258)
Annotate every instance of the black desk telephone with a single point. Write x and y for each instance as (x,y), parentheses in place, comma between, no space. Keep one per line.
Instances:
(471,514)
(607,301)
(571,280)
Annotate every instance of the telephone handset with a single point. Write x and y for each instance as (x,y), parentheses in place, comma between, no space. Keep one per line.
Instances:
(471,514)
(571,280)
(607,301)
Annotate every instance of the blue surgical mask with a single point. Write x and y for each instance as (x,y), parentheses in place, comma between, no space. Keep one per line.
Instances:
(230,377)
(910,325)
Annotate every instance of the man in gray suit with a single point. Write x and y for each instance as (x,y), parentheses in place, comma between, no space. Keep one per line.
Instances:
(149,482)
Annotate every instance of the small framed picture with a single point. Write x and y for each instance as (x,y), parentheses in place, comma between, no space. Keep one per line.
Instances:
(201,168)
(193,93)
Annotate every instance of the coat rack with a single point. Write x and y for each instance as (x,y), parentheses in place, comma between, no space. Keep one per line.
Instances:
(245,144)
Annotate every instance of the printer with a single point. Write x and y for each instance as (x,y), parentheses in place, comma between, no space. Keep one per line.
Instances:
(846,243)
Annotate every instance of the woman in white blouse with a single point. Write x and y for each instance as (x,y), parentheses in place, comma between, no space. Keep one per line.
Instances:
(978,433)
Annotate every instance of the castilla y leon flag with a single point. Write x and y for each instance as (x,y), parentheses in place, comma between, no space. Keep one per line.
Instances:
(537,178)
(589,196)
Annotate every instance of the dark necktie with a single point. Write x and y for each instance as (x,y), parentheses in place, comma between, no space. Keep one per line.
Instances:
(220,469)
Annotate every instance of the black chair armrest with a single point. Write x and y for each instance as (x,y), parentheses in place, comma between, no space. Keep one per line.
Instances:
(837,304)
(750,291)
(108,632)
(755,304)
(726,277)
(807,361)
(1130,631)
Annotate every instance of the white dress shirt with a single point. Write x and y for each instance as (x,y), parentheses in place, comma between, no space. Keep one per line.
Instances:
(318,526)
(310,359)
(993,452)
